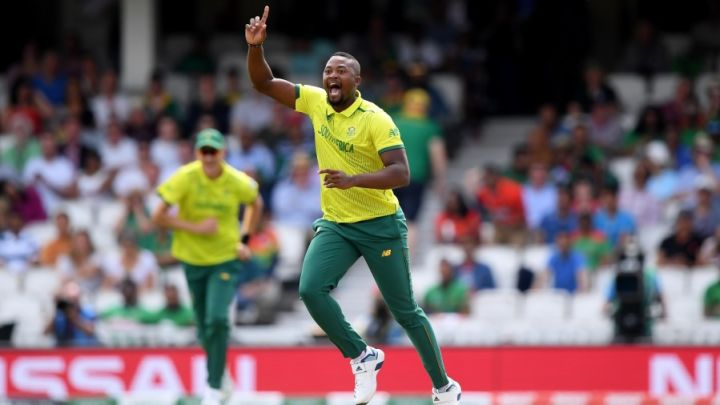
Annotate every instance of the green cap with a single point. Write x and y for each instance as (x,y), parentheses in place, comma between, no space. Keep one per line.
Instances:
(210,137)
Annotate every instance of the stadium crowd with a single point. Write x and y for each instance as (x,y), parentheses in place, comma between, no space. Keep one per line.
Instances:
(83,155)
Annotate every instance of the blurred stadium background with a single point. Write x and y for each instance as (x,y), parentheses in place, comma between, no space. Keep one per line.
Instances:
(547,139)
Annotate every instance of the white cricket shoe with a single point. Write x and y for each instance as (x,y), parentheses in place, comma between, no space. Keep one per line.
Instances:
(451,396)
(366,370)
(212,396)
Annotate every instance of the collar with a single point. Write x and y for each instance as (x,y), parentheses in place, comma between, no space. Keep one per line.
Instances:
(348,111)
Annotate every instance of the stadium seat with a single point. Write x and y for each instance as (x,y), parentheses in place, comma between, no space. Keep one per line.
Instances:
(437,252)
(450,86)
(106,299)
(235,59)
(701,278)
(292,243)
(706,332)
(344,398)
(701,85)
(257,398)
(176,276)
(631,89)
(473,332)
(623,169)
(536,257)
(504,262)
(663,87)
(30,317)
(674,282)
(41,232)
(542,306)
(81,213)
(152,300)
(587,306)
(109,214)
(650,237)
(147,398)
(495,305)
(180,86)
(684,309)
(6,142)
(104,240)
(9,283)
(42,283)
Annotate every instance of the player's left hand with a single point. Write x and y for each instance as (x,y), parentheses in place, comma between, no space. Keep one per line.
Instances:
(243,252)
(337,179)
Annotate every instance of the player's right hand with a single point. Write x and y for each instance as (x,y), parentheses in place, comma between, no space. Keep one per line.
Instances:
(207,226)
(256,30)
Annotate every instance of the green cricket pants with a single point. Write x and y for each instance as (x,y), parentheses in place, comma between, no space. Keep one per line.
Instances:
(212,289)
(383,243)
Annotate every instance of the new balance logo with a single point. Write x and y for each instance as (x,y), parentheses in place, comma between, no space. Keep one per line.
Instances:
(436,399)
(386,253)
(358,368)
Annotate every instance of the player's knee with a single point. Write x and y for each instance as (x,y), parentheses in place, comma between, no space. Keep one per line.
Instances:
(408,319)
(216,325)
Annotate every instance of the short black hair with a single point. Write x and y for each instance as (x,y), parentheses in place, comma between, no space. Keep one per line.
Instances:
(354,64)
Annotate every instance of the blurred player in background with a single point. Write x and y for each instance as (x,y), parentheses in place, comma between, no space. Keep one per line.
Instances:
(207,240)
(362,157)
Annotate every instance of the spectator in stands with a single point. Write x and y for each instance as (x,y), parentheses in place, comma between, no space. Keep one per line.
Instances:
(198,60)
(141,176)
(94,182)
(595,89)
(592,243)
(710,250)
(136,220)
(130,311)
(549,121)
(73,323)
(474,274)
(158,102)
(636,200)
(164,149)
(89,75)
(296,198)
(584,196)
(645,54)
(650,127)
(253,158)
(712,123)
(24,148)
(539,148)
(72,145)
(233,92)
(675,111)
(50,82)
(61,245)
(567,267)
(81,264)
(449,295)
(393,95)
(664,181)
(581,147)
(702,166)
(539,196)
(615,223)
(28,64)
(27,104)
(295,140)
(706,209)
(680,248)
(681,153)
(419,48)
(51,173)
(711,299)
(18,250)
(209,103)
(110,105)
(604,126)
(562,219)
(254,111)
(77,106)
(502,199)
(426,154)
(456,222)
(132,262)
(137,126)
(117,150)
(174,311)
(520,165)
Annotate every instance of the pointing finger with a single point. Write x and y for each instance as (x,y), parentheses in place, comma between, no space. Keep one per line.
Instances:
(266,11)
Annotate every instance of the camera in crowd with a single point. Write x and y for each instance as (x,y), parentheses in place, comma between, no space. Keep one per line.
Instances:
(631,310)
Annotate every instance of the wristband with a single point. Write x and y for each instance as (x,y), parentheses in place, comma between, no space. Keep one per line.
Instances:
(244,239)
(254,45)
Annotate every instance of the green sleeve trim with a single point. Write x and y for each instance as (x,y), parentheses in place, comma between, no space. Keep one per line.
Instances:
(389,148)
(297,91)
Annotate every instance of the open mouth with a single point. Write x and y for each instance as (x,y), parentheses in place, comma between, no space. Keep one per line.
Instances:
(334,90)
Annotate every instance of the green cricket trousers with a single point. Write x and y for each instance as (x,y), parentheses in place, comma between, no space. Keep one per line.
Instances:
(383,243)
(212,289)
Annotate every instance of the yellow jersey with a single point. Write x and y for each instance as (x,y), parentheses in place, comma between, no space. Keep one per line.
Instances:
(199,197)
(351,141)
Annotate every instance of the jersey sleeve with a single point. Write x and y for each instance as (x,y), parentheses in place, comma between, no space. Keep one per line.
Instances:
(385,135)
(174,188)
(307,97)
(247,190)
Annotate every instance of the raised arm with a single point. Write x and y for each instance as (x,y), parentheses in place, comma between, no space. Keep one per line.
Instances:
(258,69)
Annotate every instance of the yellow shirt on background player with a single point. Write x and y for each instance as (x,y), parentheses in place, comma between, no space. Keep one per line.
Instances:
(199,197)
(351,141)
